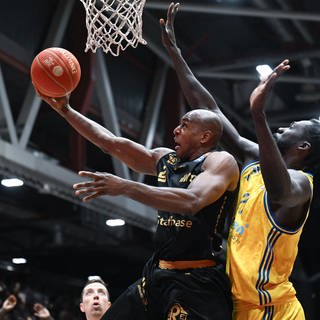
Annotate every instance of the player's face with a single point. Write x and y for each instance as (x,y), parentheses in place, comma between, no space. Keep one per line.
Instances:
(187,137)
(95,300)
(291,136)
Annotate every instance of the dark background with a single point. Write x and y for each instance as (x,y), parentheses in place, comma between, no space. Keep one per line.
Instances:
(136,95)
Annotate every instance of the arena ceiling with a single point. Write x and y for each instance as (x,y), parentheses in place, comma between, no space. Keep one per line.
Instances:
(136,95)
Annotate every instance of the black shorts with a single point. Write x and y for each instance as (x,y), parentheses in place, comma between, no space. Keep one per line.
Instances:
(195,294)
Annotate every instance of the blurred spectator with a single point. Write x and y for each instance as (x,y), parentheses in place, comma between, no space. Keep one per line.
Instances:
(40,311)
(7,306)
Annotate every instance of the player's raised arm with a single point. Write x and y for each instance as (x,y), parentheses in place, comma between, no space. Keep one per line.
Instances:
(133,154)
(55,81)
(198,96)
(287,187)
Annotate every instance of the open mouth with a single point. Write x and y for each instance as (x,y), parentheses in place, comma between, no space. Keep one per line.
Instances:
(177,145)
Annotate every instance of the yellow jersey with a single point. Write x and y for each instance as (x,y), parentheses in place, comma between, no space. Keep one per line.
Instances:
(260,253)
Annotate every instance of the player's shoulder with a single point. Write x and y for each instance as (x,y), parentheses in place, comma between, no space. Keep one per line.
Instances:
(160,152)
(224,164)
(221,160)
(221,155)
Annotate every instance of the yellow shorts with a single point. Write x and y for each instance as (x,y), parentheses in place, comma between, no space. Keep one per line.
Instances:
(288,311)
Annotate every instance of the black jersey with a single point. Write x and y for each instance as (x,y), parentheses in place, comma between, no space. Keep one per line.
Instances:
(182,236)
(195,293)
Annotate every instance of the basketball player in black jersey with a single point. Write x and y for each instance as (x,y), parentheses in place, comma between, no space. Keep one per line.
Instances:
(181,280)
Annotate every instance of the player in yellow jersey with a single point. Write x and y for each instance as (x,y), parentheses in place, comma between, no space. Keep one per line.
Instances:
(274,195)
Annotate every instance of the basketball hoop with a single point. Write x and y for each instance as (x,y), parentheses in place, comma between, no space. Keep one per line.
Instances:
(113,25)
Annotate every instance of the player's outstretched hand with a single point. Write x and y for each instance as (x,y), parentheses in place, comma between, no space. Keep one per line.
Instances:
(260,93)
(102,184)
(167,26)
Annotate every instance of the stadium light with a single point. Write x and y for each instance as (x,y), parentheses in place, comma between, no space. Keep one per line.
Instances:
(264,70)
(12,182)
(115,222)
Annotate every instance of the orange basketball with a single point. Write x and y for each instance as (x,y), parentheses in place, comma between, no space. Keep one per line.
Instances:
(55,72)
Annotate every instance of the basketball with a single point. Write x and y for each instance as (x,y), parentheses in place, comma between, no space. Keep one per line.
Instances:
(55,72)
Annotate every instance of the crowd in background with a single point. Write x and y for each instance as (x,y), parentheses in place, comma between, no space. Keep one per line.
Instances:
(22,301)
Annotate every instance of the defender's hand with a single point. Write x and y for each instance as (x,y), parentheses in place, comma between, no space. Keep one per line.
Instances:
(167,27)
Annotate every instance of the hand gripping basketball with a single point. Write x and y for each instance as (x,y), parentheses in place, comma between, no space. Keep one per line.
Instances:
(55,72)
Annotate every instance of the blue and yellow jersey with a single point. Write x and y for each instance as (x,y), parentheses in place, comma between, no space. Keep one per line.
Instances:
(260,254)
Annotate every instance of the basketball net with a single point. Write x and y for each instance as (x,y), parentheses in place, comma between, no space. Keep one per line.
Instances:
(113,25)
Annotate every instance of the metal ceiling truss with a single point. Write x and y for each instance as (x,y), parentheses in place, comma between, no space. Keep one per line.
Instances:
(235,11)
(154,42)
(6,111)
(31,105)
(153,108)
(48,177)
(250,62)
(108,109)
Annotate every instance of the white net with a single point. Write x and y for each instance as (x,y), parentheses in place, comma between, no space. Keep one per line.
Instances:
(113,25)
